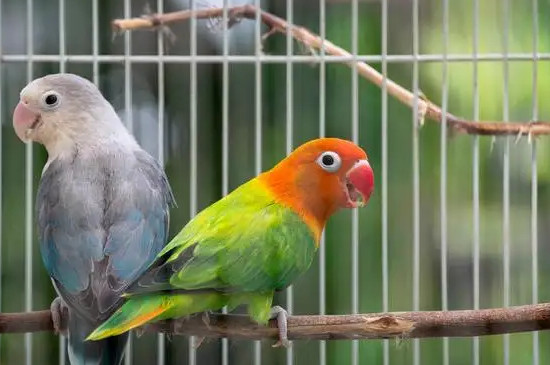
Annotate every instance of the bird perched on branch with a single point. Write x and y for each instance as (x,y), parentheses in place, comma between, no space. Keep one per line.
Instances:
(251,243)
(102,207)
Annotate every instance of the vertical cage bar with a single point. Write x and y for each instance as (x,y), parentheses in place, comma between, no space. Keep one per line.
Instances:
(475,172)
(161,339)
(128,69)
(443,175)
(322,132)
(416,182)
(29,191)
(506,180)
(62,49)
(1,169)
(128,120)
(258,125)
(534,183)
(193,142)
(355,212)
(225,104)
(385,269)
(95,42)
(225,137)
(62,69)
(289,135)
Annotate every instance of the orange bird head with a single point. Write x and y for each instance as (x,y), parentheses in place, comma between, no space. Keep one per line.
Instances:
(321,176)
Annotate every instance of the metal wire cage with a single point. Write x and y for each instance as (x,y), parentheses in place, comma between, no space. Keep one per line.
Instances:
(453,224)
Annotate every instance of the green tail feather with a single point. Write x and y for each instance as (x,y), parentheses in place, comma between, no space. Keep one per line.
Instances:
(133,313)
(141,309)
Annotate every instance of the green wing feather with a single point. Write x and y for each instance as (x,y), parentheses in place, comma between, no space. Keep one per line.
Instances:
(243,242)
(242,248)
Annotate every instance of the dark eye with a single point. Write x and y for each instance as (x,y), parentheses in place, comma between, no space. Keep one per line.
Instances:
(329,161)
(51,99)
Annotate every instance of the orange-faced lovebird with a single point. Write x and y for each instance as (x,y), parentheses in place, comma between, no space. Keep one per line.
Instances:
(256,240)
(102,207)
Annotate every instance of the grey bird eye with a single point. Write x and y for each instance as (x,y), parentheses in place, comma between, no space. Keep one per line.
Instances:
(50,99)
(329,161)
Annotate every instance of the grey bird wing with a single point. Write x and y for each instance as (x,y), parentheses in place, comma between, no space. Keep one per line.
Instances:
(101,224)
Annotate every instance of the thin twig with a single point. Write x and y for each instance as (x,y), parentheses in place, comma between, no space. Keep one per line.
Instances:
(426,108)
(361,326)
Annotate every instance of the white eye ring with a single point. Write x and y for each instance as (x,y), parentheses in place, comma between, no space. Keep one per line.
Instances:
(51,99)
(329,161)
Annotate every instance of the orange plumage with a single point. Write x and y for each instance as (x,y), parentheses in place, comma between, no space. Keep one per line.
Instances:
(313,193)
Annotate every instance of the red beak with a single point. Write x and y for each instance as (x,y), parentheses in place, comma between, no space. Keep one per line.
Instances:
(24,119)
(361,177)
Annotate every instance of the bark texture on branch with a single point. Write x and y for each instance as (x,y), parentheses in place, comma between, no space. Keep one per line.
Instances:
(426,109)
(463,323)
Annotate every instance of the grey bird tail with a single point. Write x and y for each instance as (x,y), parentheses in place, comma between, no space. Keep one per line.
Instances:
(109,351)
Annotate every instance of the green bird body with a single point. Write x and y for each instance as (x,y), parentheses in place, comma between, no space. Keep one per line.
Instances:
(237,251)
(255,241)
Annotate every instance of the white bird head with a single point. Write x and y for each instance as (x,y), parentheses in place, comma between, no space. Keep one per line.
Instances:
(63,110)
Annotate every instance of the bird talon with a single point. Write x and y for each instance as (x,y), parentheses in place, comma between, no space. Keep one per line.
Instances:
(281,315)
(60,316)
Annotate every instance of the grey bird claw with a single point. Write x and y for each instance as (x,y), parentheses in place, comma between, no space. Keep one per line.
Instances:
(281,315)
(60,316)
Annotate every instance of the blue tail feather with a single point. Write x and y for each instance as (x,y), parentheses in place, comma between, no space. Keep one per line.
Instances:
(80,352)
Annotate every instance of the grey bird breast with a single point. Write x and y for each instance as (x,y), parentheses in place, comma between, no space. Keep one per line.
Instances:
(102,220)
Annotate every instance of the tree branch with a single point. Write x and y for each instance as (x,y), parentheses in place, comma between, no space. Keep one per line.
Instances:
(463,323)
(312,41)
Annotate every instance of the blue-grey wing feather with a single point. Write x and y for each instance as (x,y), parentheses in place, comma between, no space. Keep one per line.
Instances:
(101,224)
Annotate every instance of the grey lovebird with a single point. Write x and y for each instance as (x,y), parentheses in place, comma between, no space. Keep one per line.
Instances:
(102,205)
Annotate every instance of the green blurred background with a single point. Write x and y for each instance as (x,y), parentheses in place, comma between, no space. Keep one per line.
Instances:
(305,84)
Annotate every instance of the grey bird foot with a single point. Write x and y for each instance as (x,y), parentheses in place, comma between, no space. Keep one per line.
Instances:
(60,316)
(281,315)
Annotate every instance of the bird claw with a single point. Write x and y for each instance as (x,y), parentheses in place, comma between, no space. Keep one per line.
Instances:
(60,316)
(281,315)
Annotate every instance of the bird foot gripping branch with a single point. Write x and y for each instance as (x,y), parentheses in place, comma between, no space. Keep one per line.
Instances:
(60,316)
(281,315)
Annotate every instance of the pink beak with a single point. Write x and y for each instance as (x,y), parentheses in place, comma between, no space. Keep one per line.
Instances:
(23,120)
(361,177)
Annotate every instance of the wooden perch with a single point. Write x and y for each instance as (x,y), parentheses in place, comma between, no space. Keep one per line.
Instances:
(464,323)
(426,109)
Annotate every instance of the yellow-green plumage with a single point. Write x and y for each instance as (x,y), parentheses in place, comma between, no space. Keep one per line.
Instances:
(237,251)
